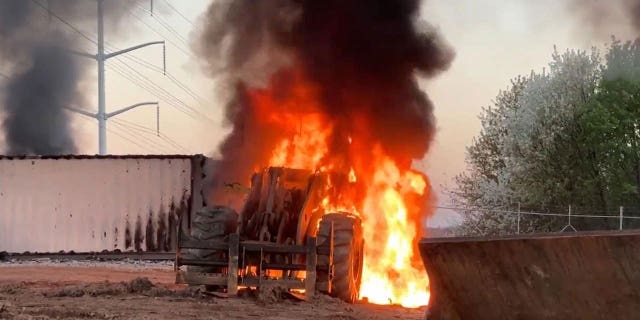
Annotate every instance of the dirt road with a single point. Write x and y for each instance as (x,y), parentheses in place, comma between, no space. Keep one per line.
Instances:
(119,291)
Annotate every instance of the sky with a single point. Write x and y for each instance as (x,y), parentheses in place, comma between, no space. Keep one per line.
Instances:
(494,40)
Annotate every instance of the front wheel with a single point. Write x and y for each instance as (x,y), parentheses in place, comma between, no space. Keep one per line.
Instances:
(348,253)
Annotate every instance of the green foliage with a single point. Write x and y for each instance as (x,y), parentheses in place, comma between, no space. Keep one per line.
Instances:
(566,136)
(610,124)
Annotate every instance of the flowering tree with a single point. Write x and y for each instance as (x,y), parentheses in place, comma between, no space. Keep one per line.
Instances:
(529,152)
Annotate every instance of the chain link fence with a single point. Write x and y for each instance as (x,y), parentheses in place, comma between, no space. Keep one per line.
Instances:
(517,220)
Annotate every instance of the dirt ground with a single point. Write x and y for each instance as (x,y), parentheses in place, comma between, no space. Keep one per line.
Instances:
(117,291)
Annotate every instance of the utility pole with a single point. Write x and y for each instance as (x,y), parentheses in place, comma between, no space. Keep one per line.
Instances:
(101,57)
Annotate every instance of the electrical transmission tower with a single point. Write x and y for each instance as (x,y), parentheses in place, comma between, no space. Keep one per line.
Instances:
(102,116)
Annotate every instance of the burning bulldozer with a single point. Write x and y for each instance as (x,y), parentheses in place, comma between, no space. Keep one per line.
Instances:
(330,87)
(282,236)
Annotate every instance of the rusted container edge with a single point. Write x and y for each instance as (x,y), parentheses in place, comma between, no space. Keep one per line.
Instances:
(585,275)
(99,157)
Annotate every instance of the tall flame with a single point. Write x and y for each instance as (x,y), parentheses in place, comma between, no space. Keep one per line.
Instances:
(392,200)
(331,85)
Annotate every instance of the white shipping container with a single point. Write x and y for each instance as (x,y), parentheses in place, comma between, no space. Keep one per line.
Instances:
(89,203)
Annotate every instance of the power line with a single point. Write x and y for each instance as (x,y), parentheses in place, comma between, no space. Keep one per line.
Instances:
(138,127)
(78,33)
(186,89)
(172,78)
(141,128)
(173,142)
(164,24)
(160,134)
(145,140)
(150,131)
(101,57)
(65,22)
(153,87)
(145,64)
(169,75)
(133,142)
(123,137)
(155,90)
(179,13)
(161,35)
(159,88)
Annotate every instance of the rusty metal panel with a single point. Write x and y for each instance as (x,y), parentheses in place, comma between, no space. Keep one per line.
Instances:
(584,275)
(87,203)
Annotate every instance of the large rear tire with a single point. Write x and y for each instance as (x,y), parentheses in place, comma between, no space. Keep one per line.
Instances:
(348,254)
(212,224)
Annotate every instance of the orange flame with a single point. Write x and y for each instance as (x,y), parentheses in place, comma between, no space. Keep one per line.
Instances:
(352,176)
(389,273)
(392,201)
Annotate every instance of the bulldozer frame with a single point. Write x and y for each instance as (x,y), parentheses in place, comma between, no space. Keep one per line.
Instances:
(235,261)
(274,242)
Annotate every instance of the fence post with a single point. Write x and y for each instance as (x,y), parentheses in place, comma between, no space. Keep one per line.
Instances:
(569,225)
(312,261)
(518,230)
(234,251)
(621,216)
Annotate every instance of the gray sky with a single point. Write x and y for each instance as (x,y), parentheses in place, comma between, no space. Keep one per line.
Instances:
(495,40)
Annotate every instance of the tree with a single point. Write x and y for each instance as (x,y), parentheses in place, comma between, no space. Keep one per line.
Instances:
(529,151)
(611,127)
(486,183)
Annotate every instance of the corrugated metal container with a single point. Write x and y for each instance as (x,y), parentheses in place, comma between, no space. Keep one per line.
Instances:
(96,203)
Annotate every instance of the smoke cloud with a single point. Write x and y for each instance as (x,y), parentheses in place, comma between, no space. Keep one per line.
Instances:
(43,77)
(601,16)
(362,56)
(36,121)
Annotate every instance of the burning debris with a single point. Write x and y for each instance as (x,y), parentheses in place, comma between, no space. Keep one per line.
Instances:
(330,86)
(43,76)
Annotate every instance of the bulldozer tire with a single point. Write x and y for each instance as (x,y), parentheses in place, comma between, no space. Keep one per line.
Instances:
(213,224)
(348,254)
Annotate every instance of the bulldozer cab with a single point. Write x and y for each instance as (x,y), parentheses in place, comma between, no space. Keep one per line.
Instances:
(282,204)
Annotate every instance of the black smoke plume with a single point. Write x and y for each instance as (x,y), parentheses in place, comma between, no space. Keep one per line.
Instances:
(362,55)
(43,77)
(36,121)
(599,16)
